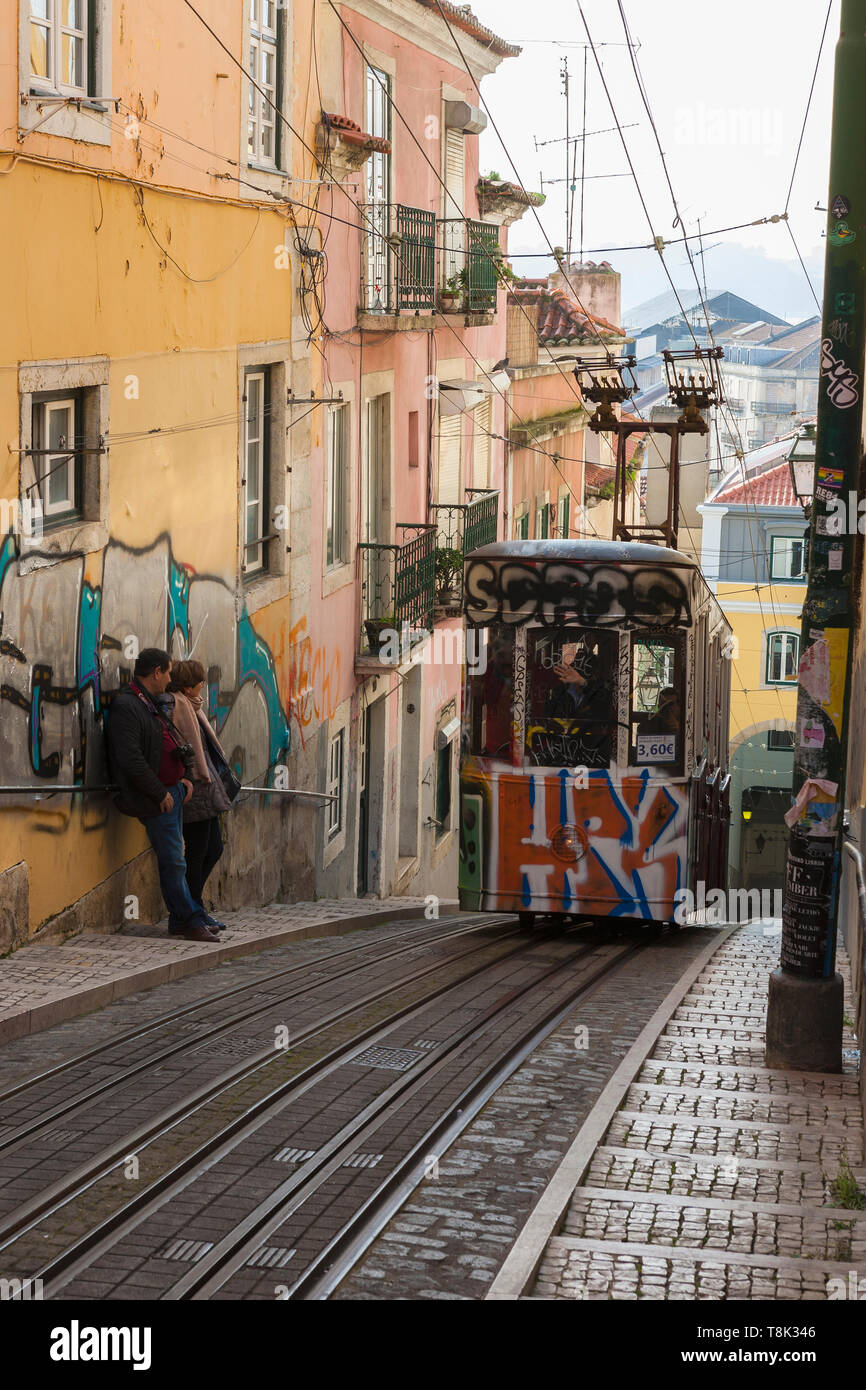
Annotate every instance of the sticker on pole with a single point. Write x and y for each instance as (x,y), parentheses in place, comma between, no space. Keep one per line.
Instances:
(841,207)
(841,234)
(656,748)
(830,477)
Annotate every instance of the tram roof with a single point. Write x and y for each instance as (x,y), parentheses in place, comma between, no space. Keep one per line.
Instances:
(583,552)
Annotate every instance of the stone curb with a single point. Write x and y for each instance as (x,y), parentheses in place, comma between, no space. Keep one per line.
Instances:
(62,1007)
(526,1254)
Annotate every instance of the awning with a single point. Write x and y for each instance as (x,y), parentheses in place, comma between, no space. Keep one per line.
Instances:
(458,395)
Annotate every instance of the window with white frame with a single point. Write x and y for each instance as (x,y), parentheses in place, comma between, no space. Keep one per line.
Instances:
(788,557)
(521,523)
(542,519)
(782,650)
(563,519)
(256,468)
(60,33)
(262,131)
(336,542)
(56,434)
(335,784)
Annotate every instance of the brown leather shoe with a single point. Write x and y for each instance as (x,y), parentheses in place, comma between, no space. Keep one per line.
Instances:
(201,933)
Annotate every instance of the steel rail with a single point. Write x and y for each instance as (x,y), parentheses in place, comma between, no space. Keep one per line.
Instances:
(324,1274)
(17,1137)
(133,1034)
(79,1180)
(218,1265)
(83,1253)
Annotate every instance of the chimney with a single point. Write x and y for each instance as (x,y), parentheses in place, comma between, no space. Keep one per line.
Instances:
(596,286)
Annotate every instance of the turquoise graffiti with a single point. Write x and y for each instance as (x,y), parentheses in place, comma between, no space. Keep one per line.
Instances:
(66,647)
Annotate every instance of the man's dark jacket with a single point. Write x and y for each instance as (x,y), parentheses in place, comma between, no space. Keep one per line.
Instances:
(135,753)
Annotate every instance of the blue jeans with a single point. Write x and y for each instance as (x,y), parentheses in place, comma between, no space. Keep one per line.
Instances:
(166,836)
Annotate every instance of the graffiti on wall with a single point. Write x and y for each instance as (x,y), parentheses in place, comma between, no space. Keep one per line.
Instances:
(314,680)
(517,591)
(65,650)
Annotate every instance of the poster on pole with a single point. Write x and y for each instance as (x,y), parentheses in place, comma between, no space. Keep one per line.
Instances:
(807,903)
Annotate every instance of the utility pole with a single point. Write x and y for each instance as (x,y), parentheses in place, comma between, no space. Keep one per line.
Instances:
(804,1018)
(563,72)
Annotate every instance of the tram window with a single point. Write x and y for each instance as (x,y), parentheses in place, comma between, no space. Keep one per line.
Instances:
(571,699)
(490,692)
(657,725)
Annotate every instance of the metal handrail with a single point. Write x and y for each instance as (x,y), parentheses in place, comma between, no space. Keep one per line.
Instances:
(113,787)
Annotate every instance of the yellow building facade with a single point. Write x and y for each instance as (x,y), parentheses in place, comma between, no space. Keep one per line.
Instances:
(755,558)
(150,350)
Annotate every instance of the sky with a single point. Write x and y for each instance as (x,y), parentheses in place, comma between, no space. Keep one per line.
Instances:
(727,84)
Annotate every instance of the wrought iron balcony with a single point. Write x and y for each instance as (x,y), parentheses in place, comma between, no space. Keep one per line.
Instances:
(398,259)
(469,264)
(462,527)
(773,407)
(397,587)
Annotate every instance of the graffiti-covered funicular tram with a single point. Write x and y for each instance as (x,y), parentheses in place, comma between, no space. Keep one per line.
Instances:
(595,727)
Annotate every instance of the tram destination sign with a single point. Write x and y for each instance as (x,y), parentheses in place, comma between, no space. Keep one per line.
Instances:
(656,748)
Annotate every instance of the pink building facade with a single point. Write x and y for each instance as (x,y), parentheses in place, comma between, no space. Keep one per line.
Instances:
(408,330)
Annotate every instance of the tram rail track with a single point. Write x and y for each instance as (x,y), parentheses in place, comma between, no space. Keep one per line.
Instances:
(230,1253)
(60,1193)
(217,1266)
(176,1015)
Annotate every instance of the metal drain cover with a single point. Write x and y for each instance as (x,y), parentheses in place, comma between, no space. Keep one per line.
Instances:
(61,1136)
(189,1250)
(271,1256)
(391,1058)
(293,1155)
(231,1046)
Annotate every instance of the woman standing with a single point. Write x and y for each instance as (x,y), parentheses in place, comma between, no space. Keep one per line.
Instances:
(202,836)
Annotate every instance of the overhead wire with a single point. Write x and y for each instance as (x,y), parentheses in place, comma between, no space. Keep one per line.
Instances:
(679,221)
(353,201)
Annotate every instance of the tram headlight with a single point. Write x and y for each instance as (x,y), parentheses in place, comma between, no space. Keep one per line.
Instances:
(568,843)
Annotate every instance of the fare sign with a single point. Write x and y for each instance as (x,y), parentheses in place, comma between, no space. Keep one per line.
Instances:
(656,748)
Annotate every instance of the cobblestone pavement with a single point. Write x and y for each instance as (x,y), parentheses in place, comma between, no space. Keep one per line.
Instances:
(450,1238)
(718,1178)
(42,985)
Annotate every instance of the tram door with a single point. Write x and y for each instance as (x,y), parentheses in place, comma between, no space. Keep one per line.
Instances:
(364,802)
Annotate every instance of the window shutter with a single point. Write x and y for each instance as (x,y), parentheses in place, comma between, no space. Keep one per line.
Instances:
(450,434)
(455,172)
(481,444)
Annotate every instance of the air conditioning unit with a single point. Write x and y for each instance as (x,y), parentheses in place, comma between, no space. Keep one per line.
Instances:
(459,115)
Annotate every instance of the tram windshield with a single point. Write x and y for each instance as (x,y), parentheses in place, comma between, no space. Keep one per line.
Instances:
(571,697)
(657,725)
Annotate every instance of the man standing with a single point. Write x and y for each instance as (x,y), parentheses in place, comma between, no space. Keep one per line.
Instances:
(149,758)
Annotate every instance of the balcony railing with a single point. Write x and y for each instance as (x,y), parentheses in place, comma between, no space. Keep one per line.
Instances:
(469,260)
(397,585)
(773,407)
(398,258)
(462,527)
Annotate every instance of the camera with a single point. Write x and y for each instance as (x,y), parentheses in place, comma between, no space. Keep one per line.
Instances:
(184,753)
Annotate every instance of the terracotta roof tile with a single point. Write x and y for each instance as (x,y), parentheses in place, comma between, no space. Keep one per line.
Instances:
(352,133)
(771,489)
(596,475)
(462,17)
(560,318)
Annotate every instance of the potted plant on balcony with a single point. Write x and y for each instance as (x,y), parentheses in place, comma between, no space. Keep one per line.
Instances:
(449,566)
(452,292)
(379,630)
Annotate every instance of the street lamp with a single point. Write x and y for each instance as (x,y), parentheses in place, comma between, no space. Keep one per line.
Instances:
(801,461)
